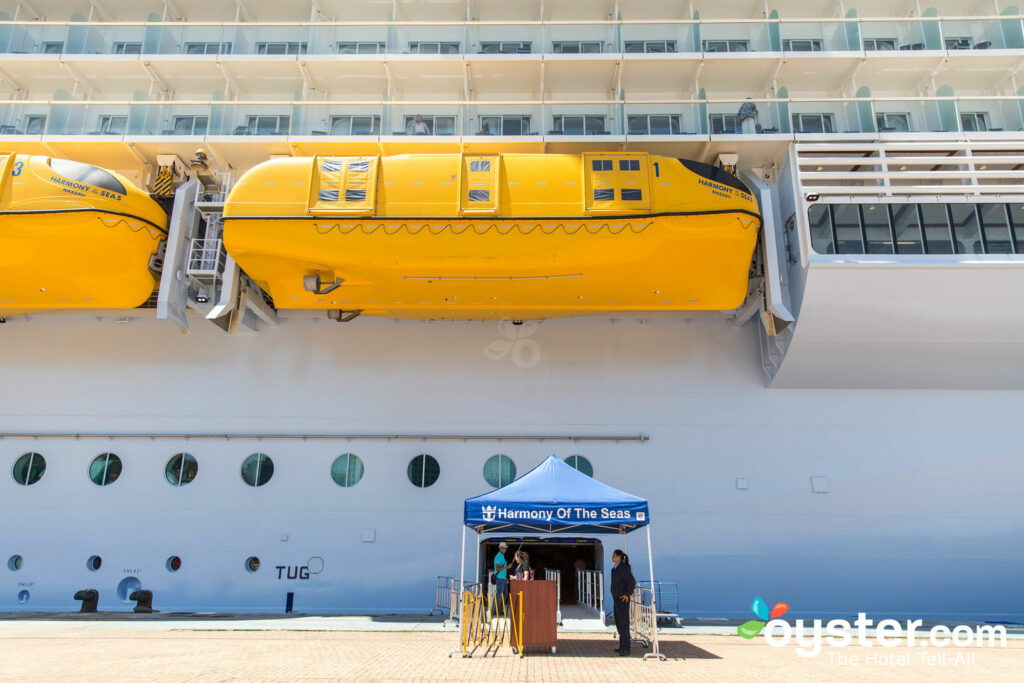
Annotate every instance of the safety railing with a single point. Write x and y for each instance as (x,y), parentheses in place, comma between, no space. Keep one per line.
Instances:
(206,260)
(666,596)
(510,39)
(590,590)
(643,621)
(488,620)
(445,595)
(556,576)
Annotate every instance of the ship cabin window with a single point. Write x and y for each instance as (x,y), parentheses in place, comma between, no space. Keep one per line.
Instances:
(52,47)
(813,123)
(29,468)
(988,228)
(264,125)
(726,46)
(653,124)
(959,43)
(499,470)
(650,46)
(281,48)
(879,44)
(893,122)
(123,48)
(257,469)
(434,48)
(504,125)
(515,47)
(105,469)
(15,562)
(575,47)
(801,44)
(173,563)
(347,470)
(112,125)
(84,173)
(578,462)
(974,121)
(252,564)
(578,125)
(181,469)
(34,125)
(361,48)
(94,563)
(423,471)
(724,123)
(207,48)
(190,125)
(436,125)
(355,125)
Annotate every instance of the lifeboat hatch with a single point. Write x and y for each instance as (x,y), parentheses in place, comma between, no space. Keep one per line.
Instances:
(343,186)
(616,183)
(479,183)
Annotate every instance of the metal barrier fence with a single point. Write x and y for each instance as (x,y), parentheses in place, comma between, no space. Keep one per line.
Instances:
(481,625)
(666,596)
(556,576)
(590,590)
(443,598)
(643,621)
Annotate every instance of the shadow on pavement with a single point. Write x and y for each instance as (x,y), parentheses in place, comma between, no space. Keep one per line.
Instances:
(672,649)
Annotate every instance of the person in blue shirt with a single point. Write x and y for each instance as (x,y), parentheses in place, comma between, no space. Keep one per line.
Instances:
(501,576)
(622,587)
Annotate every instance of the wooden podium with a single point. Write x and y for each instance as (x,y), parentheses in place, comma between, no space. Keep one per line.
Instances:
(540,623)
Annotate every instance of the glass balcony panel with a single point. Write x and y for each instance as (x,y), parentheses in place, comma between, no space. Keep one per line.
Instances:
(937,235)
(747,117)
(504,39)
(906,225)
(32,39)
(753,37)
(423,120)
(827,117)
(846,220)
(581,39)
(972,35)
(980,115)
(996,227)
(820,222)
(23,119)
(965,229)
(190,40)
(882,36)
(429,40)
(241,118)
(503,120)
(100,119)
(875,218)
(658,38)
(268,40)
(584,119)
(661,119)
(817,36)
(916,116)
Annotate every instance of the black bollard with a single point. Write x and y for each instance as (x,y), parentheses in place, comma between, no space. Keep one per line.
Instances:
(90,597)
(143,599)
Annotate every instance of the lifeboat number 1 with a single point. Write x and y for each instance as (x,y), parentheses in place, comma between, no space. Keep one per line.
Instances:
(656,173)
(17,168)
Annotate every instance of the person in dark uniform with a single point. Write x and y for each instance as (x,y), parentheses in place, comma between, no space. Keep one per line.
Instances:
(622,586)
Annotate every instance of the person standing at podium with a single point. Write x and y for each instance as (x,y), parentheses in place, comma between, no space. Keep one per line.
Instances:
(622,586)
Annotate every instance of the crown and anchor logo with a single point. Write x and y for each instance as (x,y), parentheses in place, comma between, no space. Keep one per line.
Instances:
(488,513)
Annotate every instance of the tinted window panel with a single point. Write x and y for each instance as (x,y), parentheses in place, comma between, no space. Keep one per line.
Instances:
(84,173)
(876,228)
(1017,220)
(907,227)
(821,229)
(996,228)
(936,229)
(965,229)
(847,224)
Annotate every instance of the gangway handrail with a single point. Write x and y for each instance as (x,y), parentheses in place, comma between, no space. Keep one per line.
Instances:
(590,590)
(556,576)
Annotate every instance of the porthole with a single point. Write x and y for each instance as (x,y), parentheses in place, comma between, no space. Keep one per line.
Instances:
(578,462)
(29,468)
(257,469)
(94,563)
(423,470)
(181,469)
(23,596)
(105,469)
(347,470)
(14,563)
(499,470)
(252,564)
(173,563)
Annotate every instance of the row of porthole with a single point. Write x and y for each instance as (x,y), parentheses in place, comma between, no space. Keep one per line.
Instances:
(15,562)
(258,468)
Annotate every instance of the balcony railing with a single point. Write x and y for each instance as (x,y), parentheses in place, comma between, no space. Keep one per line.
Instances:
(552,118)
(669,36)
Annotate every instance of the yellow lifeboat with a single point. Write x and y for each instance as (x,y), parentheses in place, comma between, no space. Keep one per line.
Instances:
(73,236)
(483,237)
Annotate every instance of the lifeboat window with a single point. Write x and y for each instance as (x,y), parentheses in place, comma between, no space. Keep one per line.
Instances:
(484,165)
(601,164)
(629,164)
(632,195)
(353,195)
(328,195)
(84,173)
(479,195)
(604,195)
(363,165)
(332,165)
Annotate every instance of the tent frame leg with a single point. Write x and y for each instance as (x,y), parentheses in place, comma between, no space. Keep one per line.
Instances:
(655,653)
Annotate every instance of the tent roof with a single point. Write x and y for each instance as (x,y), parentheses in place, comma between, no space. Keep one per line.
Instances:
(555,497)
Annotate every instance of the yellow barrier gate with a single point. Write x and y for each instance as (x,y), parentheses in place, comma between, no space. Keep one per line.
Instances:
(480,624)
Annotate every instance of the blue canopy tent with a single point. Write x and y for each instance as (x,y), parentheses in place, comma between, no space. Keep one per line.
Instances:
(551,498)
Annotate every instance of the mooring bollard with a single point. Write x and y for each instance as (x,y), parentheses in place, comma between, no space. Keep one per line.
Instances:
(144,600)
(90,597)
